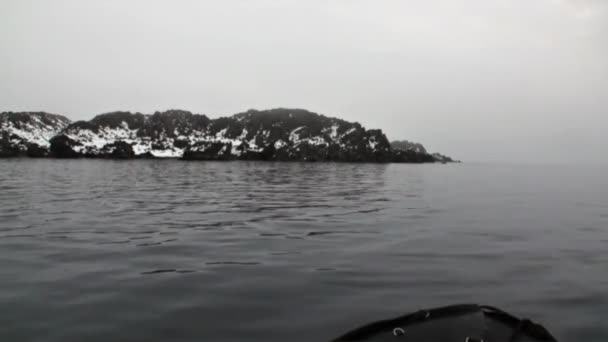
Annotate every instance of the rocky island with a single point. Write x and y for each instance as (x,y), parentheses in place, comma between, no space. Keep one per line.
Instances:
(277,134)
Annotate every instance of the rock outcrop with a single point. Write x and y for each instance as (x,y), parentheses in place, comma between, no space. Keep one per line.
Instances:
(405,145)
(29,133)
(404,151)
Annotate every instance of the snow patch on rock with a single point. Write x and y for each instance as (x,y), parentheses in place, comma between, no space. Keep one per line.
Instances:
(34,131)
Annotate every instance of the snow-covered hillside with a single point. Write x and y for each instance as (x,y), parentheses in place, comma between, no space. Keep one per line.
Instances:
(29,133)
(277,134)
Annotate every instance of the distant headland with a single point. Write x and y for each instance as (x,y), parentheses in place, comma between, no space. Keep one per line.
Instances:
(277,134)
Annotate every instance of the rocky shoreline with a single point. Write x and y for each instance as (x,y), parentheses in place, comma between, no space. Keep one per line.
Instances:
(277,134)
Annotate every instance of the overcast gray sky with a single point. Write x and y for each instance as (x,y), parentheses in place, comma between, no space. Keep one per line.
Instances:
(481,80)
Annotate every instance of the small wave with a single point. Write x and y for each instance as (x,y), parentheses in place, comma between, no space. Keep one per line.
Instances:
(244,263)
(14,228)
(157,243)
(348,213)
(285,253)
(139,238)
(168,270)
(329,232)
(58,237)
(17,236)
(113,242)
(148,244)
(299,207)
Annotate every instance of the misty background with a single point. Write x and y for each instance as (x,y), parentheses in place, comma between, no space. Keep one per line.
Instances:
(479,80)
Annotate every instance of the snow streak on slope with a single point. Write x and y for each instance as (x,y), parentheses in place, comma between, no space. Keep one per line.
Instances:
(23,129)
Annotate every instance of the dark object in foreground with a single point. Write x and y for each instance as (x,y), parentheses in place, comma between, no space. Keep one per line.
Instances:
(457,323)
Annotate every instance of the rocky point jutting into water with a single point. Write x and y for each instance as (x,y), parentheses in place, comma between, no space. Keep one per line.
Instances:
(277,134)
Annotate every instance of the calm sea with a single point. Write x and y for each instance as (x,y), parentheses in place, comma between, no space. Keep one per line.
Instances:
(166,250)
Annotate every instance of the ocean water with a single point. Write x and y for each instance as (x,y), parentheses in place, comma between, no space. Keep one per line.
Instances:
(165,250)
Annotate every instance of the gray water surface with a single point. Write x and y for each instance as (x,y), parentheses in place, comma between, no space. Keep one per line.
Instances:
(94,250)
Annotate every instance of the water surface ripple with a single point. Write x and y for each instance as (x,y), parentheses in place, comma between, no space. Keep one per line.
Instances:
(94,250)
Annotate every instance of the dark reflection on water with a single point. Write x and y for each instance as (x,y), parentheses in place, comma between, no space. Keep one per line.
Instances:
(176,251)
